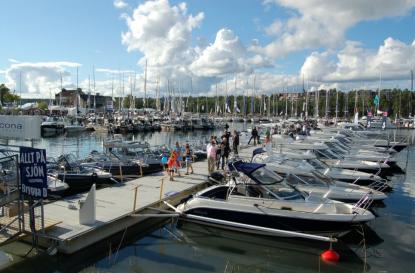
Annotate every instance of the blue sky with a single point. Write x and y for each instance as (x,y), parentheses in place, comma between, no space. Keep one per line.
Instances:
(37,35)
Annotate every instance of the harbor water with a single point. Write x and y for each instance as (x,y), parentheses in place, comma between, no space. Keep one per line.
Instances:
(387,244)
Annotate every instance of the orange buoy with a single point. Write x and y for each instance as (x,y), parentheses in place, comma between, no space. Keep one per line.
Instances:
(330,256)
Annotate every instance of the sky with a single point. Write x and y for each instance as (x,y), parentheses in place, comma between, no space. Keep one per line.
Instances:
(197,47)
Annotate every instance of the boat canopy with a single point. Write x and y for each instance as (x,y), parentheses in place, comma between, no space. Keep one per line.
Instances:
(256,172)
(245,167)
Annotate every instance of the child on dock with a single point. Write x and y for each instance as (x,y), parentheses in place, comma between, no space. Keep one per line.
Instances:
(189,159)
(164,161)
(172,164)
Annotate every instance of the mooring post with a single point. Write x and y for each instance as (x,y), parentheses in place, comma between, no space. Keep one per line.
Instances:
(122,180)
(135,197)
(42,211)
(161,188)
(141,170)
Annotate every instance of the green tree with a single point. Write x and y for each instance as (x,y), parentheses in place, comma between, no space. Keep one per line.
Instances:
(6,96)
(42,105)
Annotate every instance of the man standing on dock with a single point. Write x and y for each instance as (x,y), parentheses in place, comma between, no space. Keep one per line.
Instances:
(254,136)
(235,142)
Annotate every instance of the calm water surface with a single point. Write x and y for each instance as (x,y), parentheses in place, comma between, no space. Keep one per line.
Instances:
(389,239)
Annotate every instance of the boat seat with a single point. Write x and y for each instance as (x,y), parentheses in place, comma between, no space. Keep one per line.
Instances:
(253,191)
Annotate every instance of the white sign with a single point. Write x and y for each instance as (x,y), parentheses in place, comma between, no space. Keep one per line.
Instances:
(20,127)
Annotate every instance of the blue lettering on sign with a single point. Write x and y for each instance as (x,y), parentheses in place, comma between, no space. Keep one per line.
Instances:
(33,172)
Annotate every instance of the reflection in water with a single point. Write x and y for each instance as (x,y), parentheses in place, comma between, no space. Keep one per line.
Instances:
(194,248)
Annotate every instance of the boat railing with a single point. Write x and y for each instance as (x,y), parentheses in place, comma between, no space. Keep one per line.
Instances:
(363,203)
(378,185)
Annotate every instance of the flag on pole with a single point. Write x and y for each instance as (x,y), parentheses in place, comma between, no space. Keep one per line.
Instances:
(376,100)
(227,108)
(265,104)
(235,106)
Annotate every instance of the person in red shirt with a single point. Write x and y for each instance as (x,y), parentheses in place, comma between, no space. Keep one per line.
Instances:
(171,164)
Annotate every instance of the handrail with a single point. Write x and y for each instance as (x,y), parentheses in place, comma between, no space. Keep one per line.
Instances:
(9,224)
(363,203)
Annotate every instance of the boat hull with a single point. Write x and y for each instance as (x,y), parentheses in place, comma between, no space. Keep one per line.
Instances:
(311,226)
(82,182)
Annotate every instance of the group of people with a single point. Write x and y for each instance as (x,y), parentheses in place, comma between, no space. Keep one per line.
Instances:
(174,162)
(218,150)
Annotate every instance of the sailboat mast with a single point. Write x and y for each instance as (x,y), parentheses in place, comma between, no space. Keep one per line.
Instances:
(327,104)
(276,104)
(253,98)
(77,93)
(306,99)
(316,103)
(20,87)
(292,104)
(158,94)
(77,77)
(95,92)
(337,105)
(235,106)
(286,104)
(60,94)
(380,84)
(356,101)
(145,87)
(226,97)
(89,93)
(363,102)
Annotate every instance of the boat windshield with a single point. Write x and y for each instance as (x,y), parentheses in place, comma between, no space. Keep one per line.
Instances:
(265,176)
(283,191)
(70,158)
(335,148)
(295,180)
(319,165)
(323,178)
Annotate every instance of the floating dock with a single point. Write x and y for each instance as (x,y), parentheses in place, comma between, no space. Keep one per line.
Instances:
(117,208)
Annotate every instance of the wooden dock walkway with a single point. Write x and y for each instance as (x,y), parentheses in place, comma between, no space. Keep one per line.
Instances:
(115,208)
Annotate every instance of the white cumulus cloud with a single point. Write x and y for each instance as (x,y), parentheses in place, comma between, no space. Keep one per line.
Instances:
(323,23)
(38,79)
(226,55)
(162,32)
(393,60)
(120,4)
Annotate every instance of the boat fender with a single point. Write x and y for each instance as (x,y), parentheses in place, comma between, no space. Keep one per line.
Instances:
(330,256)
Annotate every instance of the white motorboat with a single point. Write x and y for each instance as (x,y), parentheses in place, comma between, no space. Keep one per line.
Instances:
(258,201)
(317,184)
(74,128)
(56,187)
(289,165)
(52,126)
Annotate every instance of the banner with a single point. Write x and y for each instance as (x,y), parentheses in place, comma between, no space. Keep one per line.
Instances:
(33,172)
(20,127)
(110,106)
